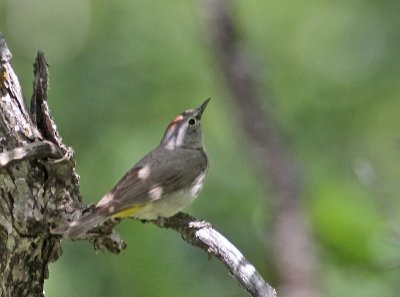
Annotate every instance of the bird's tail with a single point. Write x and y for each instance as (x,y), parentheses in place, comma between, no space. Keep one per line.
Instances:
(80,226)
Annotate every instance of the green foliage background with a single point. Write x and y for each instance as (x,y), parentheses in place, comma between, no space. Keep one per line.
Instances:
(121,70)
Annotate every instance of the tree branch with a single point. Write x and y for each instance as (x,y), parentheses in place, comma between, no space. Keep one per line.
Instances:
(36,150)
(201,234)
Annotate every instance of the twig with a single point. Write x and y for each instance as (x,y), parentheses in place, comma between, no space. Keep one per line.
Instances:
(35,150)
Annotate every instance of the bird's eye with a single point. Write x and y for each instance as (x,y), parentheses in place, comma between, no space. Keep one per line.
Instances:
(191,122)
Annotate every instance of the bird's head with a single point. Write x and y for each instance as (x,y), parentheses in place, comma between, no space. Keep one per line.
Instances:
(185,129)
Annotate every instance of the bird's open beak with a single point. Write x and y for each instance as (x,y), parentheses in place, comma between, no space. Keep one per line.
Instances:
(201,108)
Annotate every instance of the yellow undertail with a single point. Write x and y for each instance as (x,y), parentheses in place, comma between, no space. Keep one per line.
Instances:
(128,212)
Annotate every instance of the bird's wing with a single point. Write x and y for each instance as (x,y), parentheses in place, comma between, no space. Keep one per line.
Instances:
(160,173)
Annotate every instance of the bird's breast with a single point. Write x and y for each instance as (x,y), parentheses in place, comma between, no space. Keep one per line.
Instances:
(172,203)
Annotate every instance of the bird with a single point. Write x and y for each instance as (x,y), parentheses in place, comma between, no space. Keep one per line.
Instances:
(161,184)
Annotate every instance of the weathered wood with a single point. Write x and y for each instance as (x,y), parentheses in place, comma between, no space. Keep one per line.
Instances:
(28,194)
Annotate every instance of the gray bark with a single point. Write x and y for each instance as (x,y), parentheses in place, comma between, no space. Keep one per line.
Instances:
(28,191)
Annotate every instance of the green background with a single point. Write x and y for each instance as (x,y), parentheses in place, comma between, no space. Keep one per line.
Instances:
(121,70)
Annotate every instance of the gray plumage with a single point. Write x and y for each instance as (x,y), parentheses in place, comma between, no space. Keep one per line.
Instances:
(160,184)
